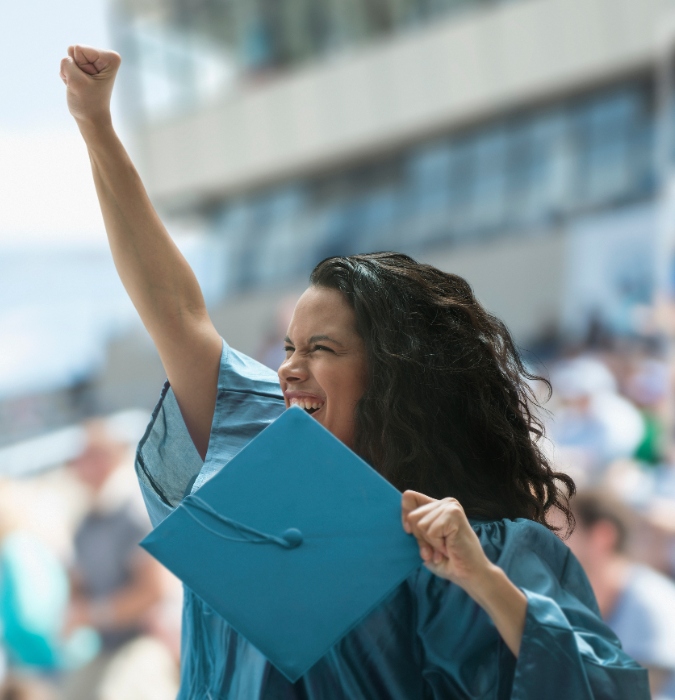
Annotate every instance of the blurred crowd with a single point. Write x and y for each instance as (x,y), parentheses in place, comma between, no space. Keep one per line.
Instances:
(86,614)
(609,424)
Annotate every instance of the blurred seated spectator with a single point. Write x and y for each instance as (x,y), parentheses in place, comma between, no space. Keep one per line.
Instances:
(647,386)
(115,583)
(33,590)
(637,602)
(592,423)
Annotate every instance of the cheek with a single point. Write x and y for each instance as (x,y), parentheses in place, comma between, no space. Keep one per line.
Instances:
(343,392)
(359,382)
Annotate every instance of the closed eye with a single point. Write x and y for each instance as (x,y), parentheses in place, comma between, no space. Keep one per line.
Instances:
(290,348)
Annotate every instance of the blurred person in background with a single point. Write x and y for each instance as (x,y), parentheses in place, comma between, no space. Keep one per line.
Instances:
(592,424)
(636,601)
(33,591)
(116,586)
(647,384)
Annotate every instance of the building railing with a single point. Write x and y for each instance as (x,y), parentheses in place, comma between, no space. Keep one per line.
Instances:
(183,53)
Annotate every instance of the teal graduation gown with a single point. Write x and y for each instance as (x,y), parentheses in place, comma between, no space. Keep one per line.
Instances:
(429,639)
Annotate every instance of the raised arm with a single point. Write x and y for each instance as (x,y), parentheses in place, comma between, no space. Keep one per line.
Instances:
(155,274)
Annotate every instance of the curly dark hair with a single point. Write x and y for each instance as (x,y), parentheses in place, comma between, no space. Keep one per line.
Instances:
(447,410)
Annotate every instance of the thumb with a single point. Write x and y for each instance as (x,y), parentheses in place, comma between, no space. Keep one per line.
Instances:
(69,71)
(410,501)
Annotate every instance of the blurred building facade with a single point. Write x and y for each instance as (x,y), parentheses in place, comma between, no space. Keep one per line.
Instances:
(509,141)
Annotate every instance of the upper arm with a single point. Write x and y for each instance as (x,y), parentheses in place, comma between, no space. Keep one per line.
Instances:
(191,362)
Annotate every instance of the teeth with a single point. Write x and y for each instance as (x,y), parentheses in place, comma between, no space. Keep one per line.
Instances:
(306,403)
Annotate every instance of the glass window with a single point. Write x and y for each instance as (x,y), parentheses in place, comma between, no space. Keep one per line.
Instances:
(429,172)
(488,196)
(460,187)
(379,215)
(277,255)
(515,173)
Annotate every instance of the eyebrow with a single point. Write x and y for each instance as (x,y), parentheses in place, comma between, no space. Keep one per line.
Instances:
(316,338)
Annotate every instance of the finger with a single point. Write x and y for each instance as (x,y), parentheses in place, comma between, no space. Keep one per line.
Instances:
(419,520)
(410,519)
(450,509)
(432,529)
(436,567)
(426,550)
(413,519)
(413,499)
(409,502)
(85,60)
(68,69)
(421,512)
(440,531)
(95,61)
(438,557)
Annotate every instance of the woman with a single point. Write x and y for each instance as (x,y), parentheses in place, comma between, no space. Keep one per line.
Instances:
(400,362)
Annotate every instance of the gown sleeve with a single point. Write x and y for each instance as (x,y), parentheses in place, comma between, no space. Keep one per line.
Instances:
(167,463)
(566,650)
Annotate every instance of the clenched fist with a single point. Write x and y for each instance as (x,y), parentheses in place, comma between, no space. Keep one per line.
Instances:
(451,549)
(89,75)
(448,545)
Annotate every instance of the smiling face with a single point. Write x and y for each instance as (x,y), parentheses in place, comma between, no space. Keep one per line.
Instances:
(325,369)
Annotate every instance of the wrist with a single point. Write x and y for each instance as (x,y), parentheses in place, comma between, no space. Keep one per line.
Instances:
(95,128)
(488,586)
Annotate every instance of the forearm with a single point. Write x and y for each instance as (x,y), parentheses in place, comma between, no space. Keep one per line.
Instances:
(504,603)
(155,274)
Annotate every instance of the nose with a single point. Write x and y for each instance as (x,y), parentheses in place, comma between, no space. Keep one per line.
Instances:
(293,370)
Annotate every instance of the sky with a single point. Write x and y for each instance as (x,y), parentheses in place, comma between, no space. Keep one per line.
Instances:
(60,298)
(46,190)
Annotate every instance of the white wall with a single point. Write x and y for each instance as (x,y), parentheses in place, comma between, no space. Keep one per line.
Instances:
(519,279)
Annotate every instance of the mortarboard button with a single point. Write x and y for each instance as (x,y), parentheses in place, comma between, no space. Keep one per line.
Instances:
(293,536)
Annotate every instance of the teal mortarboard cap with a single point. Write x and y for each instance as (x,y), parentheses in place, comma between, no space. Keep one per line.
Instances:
(294,542)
